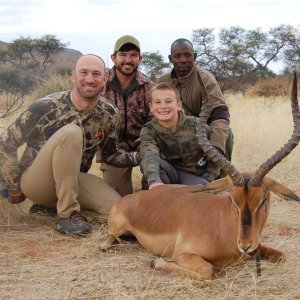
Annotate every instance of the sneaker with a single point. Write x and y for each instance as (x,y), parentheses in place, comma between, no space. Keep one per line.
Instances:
(76,224)
(43,209)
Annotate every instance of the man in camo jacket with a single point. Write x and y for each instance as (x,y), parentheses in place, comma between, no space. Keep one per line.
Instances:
(129,90)
(62,133)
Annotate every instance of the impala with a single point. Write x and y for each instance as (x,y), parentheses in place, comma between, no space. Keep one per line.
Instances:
(192,228)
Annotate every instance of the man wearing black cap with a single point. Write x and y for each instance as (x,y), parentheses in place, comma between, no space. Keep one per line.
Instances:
(129,90)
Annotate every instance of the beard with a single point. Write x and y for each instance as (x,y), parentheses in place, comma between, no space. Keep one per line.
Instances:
(124,72)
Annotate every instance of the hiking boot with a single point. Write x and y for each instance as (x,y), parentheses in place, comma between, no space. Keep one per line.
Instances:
(76,224)
(43,209)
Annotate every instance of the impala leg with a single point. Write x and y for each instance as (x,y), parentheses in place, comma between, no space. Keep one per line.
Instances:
(107,244)
(117,226)
(188,264)
(271,254)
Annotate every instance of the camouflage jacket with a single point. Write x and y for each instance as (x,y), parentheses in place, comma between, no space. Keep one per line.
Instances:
(43,118)
(195,88)
(133,106)
(179,146)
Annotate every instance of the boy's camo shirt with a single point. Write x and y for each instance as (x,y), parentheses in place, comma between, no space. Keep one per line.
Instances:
(43,118)
(179,146)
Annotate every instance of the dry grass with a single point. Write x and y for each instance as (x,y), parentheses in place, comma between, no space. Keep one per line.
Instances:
(39,263)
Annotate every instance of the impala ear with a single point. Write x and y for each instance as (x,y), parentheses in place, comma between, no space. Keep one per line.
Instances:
(217,186)
(279,189)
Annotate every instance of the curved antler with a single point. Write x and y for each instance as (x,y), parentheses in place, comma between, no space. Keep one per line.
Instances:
(265,167)
(211,153)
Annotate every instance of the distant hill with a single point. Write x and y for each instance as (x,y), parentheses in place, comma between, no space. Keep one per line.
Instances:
(66,58)
(3,44)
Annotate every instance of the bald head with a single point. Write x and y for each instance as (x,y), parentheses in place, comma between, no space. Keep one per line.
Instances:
(180,42)
(90,59)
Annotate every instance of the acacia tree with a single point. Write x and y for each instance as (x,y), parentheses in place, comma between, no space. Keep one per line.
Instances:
(222,56)
(291,55)
(23,63)
(47,47)
(262,48)
(240,54)
(154,64)
(33,55)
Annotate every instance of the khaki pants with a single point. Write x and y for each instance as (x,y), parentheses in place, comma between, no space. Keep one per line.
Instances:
(54,177)
(118,178)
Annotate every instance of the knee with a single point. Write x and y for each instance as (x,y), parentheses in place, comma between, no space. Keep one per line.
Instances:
(167,172)
(72,135)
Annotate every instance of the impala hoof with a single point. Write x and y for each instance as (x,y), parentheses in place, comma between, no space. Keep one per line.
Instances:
(104,247)
(153,263)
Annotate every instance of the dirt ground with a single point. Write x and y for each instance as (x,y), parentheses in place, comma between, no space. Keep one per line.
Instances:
(39,263)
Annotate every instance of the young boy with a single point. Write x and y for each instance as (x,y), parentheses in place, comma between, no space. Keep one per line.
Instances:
(169,147)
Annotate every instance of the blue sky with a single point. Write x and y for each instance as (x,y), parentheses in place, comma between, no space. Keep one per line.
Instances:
(92,26)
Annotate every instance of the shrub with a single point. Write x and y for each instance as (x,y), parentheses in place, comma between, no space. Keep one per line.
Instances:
(13,88)
(64,71)
(53,84)
(270,87)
